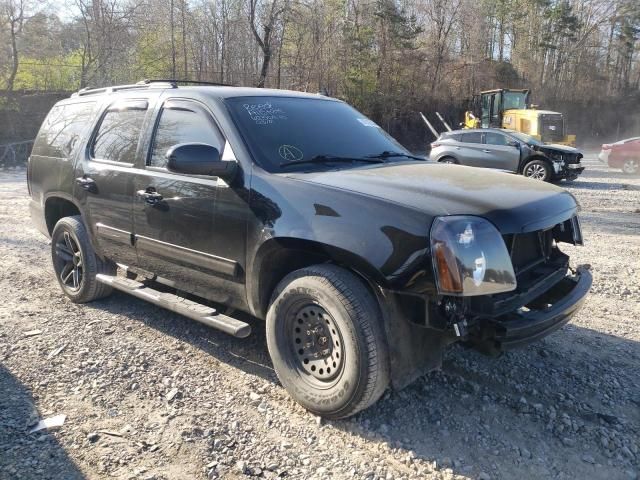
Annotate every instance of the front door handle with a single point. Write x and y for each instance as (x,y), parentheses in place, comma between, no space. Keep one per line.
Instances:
(150,195)
(87,183)
(486,151)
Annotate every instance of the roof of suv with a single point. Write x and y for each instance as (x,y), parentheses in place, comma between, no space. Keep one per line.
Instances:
(210,90)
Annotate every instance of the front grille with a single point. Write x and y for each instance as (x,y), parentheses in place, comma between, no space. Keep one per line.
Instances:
(551,128)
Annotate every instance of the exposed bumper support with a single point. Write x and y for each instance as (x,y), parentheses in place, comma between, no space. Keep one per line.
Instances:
(562,301)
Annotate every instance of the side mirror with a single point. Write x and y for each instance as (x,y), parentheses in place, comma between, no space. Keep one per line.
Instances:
(199,159)
(513,143)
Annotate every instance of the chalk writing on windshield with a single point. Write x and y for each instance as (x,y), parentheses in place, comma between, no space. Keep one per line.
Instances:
(264,113)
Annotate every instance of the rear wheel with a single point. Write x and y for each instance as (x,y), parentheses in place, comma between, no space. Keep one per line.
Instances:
(326,341)
(537,170)
(447,160)
(631,167)
(76,264)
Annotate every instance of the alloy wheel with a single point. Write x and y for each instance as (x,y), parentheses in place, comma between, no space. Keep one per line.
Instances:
(537,172)
(69,265)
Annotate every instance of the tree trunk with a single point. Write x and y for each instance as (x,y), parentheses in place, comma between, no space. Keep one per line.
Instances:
(14,57)
(173,42)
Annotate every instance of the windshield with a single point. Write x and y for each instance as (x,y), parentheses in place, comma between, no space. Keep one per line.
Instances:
(281,130)
(514,100)
(523,137)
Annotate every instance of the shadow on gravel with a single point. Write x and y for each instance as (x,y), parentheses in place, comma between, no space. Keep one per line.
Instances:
(588,185)
(23,455)
(249,354)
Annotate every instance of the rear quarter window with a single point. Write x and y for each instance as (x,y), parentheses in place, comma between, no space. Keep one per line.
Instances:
(63,129)
(472,137)
(456,137)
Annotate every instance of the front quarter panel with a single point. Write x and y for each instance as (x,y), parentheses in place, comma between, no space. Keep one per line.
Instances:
(384,241)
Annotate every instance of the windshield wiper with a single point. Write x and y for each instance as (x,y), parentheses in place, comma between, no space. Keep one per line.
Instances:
(333,158)
(387,154)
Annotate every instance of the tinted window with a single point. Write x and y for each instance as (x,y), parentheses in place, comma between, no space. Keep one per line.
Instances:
(63,129)
(450,136)
(493,138)
(183,122)
(287,129)
(472,137)
(119,131)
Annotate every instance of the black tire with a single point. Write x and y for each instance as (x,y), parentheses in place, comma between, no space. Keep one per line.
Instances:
(76,264)
(448,160)
(313,308)
(538,170)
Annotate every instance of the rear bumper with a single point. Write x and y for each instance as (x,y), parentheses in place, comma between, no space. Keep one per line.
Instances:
(514,330)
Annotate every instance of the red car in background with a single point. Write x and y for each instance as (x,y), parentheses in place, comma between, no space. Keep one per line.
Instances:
(624,154)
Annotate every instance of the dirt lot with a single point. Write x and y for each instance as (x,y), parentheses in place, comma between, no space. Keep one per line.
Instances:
(148,394)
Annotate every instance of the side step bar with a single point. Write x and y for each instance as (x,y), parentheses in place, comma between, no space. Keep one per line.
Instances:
(196,311)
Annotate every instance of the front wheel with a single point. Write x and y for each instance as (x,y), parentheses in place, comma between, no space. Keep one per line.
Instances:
(537,170)
(76,264)
(326,341)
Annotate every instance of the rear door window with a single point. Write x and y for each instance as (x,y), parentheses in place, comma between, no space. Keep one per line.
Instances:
(63,128)
(472,137)
(183,121)
(119,132)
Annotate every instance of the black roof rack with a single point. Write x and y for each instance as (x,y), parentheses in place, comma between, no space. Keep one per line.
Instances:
(175,82)
(146,83)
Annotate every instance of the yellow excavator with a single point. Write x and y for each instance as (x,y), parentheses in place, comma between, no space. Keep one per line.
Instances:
(510,109)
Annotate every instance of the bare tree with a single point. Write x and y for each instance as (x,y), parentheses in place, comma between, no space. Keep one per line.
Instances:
(14,11)
(270,17)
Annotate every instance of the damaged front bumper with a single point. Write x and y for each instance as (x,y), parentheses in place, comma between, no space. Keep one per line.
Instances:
(567,170)
(542,316)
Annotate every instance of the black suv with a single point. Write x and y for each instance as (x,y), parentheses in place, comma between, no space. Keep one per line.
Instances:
(365,261)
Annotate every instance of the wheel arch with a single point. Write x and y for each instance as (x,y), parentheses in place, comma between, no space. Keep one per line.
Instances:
(57,206)
(279,256)
(447,155)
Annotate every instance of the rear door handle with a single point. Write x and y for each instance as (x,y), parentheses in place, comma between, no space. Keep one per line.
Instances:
(150,195)
(486,151)
(87,183)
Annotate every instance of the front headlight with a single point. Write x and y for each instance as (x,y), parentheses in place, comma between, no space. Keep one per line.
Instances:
(470,257)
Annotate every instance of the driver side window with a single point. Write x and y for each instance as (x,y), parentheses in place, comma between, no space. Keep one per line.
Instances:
(182,122)
(492,138)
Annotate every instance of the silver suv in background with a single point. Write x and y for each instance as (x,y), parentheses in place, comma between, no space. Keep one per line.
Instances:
(508,150)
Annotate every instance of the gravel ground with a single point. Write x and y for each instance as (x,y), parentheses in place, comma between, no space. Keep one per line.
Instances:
(148,394)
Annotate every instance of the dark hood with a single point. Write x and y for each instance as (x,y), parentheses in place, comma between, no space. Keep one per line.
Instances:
(559,149)
(513,203)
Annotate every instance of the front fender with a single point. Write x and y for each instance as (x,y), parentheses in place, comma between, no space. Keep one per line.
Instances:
(386,242)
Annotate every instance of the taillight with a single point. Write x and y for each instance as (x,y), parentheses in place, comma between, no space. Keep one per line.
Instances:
(435,145)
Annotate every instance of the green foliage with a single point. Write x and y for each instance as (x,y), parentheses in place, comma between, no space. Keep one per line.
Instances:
(152,55)
(52,73)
